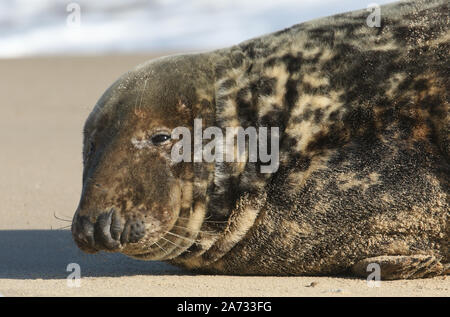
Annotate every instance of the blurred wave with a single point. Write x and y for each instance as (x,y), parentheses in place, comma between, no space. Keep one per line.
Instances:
(29,28)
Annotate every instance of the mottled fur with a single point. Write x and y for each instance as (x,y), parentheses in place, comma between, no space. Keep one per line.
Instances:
(364,150)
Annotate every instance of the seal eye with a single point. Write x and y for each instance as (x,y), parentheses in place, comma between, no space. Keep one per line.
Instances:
(158,139)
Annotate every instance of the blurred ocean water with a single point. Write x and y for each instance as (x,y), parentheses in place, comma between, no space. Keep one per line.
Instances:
(40,27)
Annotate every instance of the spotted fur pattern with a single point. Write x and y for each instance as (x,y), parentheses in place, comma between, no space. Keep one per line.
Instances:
(364,115)
(364,151)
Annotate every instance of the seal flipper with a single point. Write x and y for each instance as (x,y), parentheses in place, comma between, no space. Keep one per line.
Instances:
(403,266)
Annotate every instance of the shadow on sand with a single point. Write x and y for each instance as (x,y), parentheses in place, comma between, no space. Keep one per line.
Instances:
(45,254)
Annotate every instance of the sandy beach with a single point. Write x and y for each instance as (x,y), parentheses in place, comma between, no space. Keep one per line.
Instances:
(44,104)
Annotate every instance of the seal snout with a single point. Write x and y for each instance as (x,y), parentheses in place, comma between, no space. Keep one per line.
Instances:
(108,232)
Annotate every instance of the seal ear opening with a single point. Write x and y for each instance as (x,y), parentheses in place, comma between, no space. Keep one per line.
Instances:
(181,105)
(183,109)
(139,113)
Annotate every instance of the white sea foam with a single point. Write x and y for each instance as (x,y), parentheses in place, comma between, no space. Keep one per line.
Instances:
(29,28)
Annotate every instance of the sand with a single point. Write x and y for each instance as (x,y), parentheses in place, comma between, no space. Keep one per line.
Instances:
(44,104)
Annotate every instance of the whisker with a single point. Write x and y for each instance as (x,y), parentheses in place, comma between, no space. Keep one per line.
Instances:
(178,246)
(210,221)
(142,94)
(196,231)
(181,237)
(161,248)
(57,217)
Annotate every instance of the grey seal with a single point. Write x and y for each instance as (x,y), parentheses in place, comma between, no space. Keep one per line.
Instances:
(363,176)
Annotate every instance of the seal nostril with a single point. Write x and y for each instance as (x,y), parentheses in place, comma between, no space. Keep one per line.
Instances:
(102,231)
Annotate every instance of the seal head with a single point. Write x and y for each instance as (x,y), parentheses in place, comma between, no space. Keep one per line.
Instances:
(133,193)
